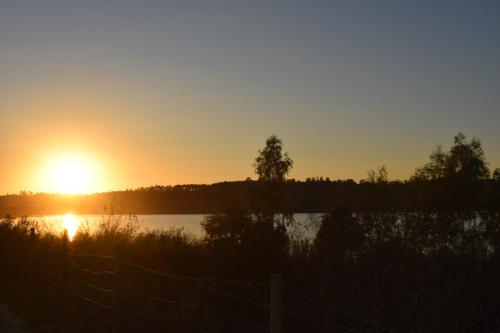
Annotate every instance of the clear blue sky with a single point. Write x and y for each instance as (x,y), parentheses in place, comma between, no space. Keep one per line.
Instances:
(164,92)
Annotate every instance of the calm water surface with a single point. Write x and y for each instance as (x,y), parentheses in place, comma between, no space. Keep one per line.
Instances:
(306,224)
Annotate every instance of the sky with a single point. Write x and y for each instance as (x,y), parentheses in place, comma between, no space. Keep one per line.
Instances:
(171,92)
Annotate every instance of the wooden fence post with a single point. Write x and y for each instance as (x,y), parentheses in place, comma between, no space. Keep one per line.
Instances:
(114,322)
(64,273)
(32,237)
(33,254)
(64,282)
(276,324)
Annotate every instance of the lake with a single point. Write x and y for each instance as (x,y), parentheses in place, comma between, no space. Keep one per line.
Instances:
(306,224)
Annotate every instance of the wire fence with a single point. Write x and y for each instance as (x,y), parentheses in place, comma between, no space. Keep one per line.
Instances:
(108,293)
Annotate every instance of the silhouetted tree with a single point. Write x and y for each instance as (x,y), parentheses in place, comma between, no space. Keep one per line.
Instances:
(378,176)
(464,161)
(339,238)
(250,242)
(272,164)
(496,175)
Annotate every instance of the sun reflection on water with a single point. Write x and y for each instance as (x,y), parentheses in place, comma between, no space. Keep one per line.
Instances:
(71,224)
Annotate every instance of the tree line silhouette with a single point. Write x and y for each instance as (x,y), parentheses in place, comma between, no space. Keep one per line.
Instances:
(457,179)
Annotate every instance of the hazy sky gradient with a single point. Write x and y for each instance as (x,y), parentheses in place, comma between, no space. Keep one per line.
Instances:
(164,92)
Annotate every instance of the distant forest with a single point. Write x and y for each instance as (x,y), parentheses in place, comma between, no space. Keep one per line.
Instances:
(458,179)
(254,196)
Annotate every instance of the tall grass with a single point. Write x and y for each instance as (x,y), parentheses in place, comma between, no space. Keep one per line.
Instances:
(414,272)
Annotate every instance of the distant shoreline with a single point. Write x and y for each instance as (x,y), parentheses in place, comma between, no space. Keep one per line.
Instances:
(317,196)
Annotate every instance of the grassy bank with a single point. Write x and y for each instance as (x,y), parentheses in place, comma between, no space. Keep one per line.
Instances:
(410,272)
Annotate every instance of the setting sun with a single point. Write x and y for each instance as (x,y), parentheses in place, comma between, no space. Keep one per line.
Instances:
(70,174)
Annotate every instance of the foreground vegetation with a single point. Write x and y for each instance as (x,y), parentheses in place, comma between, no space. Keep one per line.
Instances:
(415,272)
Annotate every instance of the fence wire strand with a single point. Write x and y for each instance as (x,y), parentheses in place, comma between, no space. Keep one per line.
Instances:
(80,273)
(91,301)
(91,285)
(178,278)
(89,254)
(192,305)
(88,271)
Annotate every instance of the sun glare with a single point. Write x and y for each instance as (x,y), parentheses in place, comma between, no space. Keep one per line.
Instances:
(70,174)
(71,224)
